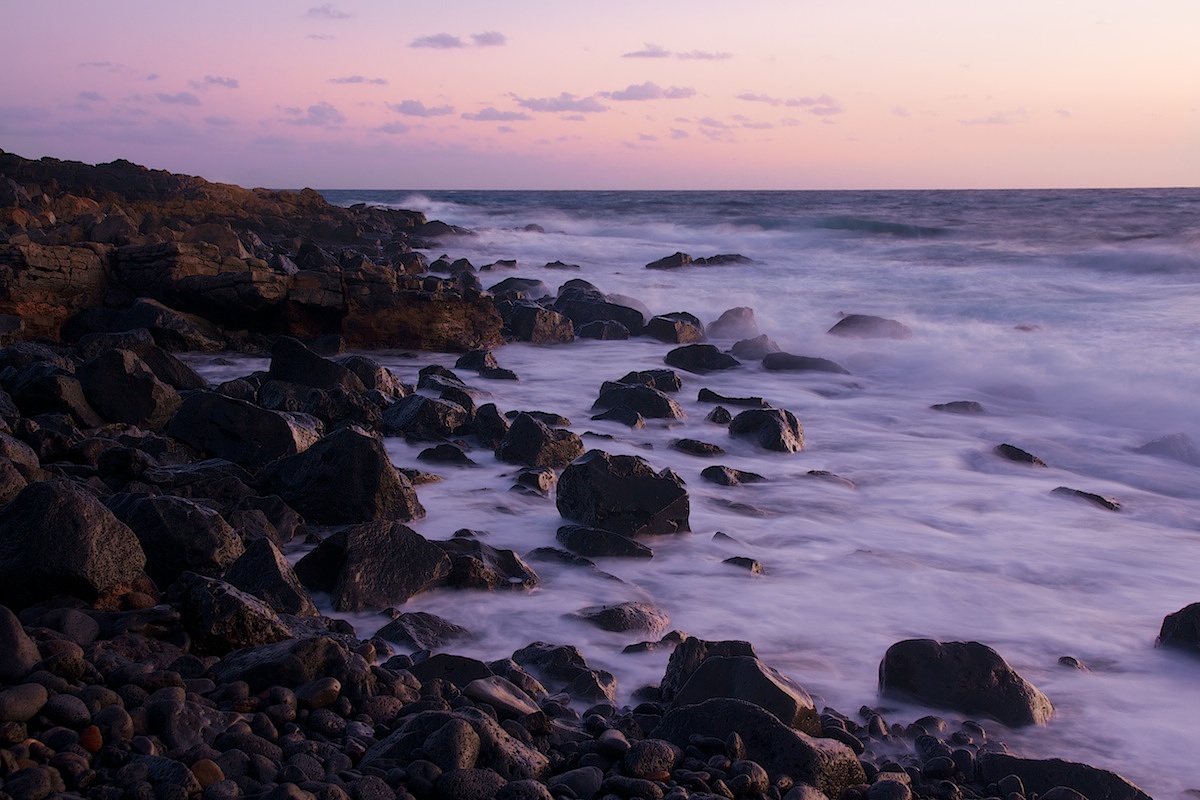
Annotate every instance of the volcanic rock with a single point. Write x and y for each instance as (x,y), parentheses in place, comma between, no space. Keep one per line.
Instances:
(263,571)
(178,535)
(622,494)
(636,616)
(597,542)
(241,432)
(700,358)
(671,262)
(734,323)
(787,362)
(531,442)
(645,400)
(865,326)
(771,428)
(678,327)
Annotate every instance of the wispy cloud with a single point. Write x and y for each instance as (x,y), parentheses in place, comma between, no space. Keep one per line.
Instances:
(489,39)
(211,81)
(676,133)
(999,118)
(438,41)
(564,102)
(111,66)
(823,105)
(327,11)
(704,55)
(490,114)
(220,122)
(91,97)
(321,37)
(321,115)
(359,79)
(415,108)
(393,127)
(651,91)
(649,51)
(1062,112)
(178,99)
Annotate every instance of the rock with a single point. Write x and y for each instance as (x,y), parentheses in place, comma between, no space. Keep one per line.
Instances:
(221,618)
(787,362)
(865,326)
(345,477)
(446,454)
(291,361)
(564,668)
(675,328)
(294,663)
(421,630)
(719,416)
(651,759)
(530,322)
(509,700)
(723,259)
(22,702)
(18,653)
(241,432)
(830,477)
(374,375)
(689,654)
(708,396)
(597,542)
(635,616)
(475,565)
(959,407)
(734,323)
(583,303)
(645,400)
(263,571)
(1042,776)
(178,535)
(44,387)
(624,415)
(516,289)
(746,678)
(1176,446)
(538,479)
(421,418)
(560,265)
(696,447)
(56,538)
(700,358)
(373,565)
(123,388)
(728,476)
(1181,630)
(964,676)
(671,262)
(173,330)
(665,380)
(532,443)
(622,494)
(1106,503)
(754,349)
(830,766)
(751,565)
(1012,453)
(602,329)
(770,428)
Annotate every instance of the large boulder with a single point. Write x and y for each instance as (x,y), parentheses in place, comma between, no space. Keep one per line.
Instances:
(563,668)
(475,565)
(293,362)
(240,431)
(345,477)
(1039,776)
(124,388)
(648,401)
(622,494)
(531,442)
(422,418)
(828,765)
(57,538)
(630,616)
(178,535)
(962,676)
(295,662)
(1181,630)
(865,326)
(747,678)
(46,387)
(770,428)
(263,571)
(221,617)
(678,327)
(374,565)
(734,323)
(700,358)
(530,322)
(789,362)
(597,542)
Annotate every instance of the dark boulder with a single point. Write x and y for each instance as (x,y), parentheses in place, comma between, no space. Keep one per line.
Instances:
(563,668)
(174,331)
(531,442)
(475,565)
(671,262)
(754,349)
(865,326)
(374,376)
(420,630)
(959,407)
(700,358)
(597,542)
(517,289)
(345,477)
(221,618)
(57,538)
(294,663)
(446,453)
(584,303)
(123,388)
(746,678)
(489,426)
(263,571)
(530,322)
(622,494)
(706,395)
(1042,776)
(455,669)
(45,387)
(646,400)
(675,328)
(624,415)
(734,323)
(374,565)
(1013,453)
(603,329)
(633,616)
(787,362)
(665,380)
(696,447)
(422,418)
(240,431)
(728,476)
(1181,630)
(18,653)
(964,676)
(178,535)
(689,654)
(770,428)
(830,766)
(1100,501)
(291,361)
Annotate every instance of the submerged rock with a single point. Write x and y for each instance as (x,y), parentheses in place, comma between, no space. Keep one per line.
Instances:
(865,326)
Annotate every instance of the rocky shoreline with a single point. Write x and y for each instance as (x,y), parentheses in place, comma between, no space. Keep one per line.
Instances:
(156,642)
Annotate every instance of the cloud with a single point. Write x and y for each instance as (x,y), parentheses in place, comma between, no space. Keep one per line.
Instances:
(438,41)
(91,97)
(490,114)
(106,65)
(823,105)
(647,137)
(710,122)
(704,55)
(393,127)
(506,129)
(321,115)
(564,102)
(651,91)
(221,122)
(574,118)
(359,79)
(676,133)
(321,37)
(216,80)
(178,99)
(999,118)
(415,108)
(650,51)
(489,39)
(327,11)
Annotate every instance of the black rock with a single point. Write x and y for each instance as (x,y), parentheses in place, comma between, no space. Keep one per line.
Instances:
(1044,776)
(1106,503)
(264,572)
(1012,453)
(700,358)
(602,329)
(597,542)
(421,418)
(865,326)
(754,349)
(291,361)
(787,362)
(475,565)
(959,407)
(624,415)
(123,388)
(625,617)
(706,395)
(446,454)
(239,431)
(221,618)
(770,428)
(532,443)
(697,447)
(178,535)
(678,327)
(645,400)
(622,494)
(671,262)
(422,631)
(728,476)
(734,323)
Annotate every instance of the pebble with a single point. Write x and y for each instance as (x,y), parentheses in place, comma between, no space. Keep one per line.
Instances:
(22,703)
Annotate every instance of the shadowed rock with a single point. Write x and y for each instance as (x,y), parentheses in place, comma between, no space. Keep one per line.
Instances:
(241,432)
(770,428)
(531,442)
(865,326)
(1042,776)
(645,400)
(788,362)
(1013,453)
(700,358)
(1100,501)
(622,494)
(734,323)
(625,617)
(597,542)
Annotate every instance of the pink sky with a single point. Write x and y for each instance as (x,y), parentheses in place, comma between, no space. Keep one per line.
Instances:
(638,94)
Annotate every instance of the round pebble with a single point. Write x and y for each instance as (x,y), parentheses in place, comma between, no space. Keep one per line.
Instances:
(22,703)
(68,710)
(651,759)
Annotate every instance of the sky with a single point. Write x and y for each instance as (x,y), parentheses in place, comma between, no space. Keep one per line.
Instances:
(620,94)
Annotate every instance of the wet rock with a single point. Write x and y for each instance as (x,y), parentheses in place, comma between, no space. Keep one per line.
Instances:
(421,418)
(671,262)
(697,448)
(597,542)
(700,358)
(622,494)
(747,678)
(240,431)
(508,699)
(294,663)
(690,654)
(56,538)
(44,386)
(665,380)
(959,407)
(965,676)
(651,759)
(751,565)
(531,442)
(645,400)
(18,653)
(734,323)
(829,766)
(788,362)
(374,376)
(373,565)
(755,349)
(563,668)
(446,454)
(124,388)
(770,428)
(421,630)
(221,618)
(22,702)
(345,477)
(624,415)
(678,327)
(635,616)
(830,477)
(1181,630)
(1012,453)
(458,670)
(264,572)
(708,396)
(475,565)
(1041,776)
(1106,503)
(530,322)
(1176,446)
(602,329)
(293,362)
(719,416)
(865,326)
(516,288)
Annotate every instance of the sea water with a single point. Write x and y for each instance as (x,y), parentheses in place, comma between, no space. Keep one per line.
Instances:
(1072,317)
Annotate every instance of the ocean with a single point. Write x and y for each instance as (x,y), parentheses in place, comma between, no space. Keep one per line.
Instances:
(1072,317)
